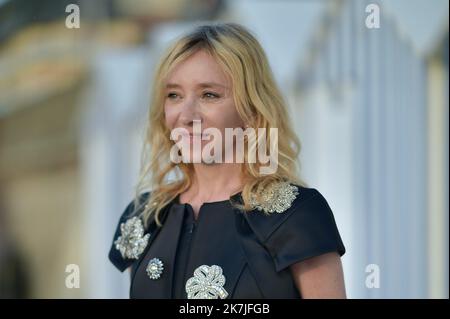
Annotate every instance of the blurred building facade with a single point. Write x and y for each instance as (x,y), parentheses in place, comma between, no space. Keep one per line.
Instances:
(375,138)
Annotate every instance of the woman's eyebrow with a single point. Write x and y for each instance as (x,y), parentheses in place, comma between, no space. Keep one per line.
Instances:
(211,84)
(172,86)
(201,85)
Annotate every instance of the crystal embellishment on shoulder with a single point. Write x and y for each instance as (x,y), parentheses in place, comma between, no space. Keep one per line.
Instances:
(277,198)
(132,241)
(207,283)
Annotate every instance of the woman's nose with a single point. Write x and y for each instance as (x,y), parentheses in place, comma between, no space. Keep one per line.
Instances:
(190,111)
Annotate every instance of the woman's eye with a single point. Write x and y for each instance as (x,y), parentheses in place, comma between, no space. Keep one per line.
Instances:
(210,95)
(172,96)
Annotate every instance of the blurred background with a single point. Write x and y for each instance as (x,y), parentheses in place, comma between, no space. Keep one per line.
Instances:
(370,105)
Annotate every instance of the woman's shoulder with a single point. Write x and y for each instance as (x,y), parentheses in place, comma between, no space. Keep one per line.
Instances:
(303,227)
(135,206)
(280,201)
(290,204)
(131,235)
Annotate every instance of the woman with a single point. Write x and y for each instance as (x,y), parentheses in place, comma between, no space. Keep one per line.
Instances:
(218,228)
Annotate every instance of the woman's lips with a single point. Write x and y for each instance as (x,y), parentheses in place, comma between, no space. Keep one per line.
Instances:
(198,135)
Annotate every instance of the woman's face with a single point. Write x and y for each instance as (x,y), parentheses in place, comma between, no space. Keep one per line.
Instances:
(197,91)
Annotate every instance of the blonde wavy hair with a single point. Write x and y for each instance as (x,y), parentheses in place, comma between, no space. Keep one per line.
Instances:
(257,99)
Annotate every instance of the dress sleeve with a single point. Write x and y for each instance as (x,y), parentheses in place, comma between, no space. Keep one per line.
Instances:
(114,255)
(310,230)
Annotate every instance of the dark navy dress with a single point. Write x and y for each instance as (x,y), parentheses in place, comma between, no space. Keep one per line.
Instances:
(253,250)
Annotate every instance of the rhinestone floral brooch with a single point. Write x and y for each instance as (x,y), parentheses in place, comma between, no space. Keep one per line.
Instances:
(155,268)
(277,198)
(207,283)
(132,241)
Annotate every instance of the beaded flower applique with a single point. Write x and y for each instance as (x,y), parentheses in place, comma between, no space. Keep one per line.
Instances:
(207,283)
(277,198)
(132,241)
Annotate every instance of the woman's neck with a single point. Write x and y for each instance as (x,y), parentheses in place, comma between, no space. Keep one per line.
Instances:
(215,182)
